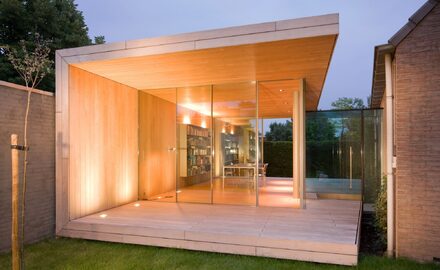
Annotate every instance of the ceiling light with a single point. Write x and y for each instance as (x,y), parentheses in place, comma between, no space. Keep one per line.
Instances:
(281,90)
(186,120)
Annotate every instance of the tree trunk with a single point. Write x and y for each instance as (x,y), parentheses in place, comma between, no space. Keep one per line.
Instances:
(25,163)
(16,254)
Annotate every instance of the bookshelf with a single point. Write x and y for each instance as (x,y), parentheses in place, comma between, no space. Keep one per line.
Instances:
(230,149)
(199,151)
(195,155)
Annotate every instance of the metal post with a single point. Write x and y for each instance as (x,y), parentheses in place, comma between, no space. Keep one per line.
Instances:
(351,167)
(212,143)
(257,148)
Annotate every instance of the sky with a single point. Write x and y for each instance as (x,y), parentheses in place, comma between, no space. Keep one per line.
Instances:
(362,25)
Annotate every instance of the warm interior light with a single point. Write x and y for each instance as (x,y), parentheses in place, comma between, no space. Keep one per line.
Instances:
(160,197)
(223,130)
(186,120)
(178,191)
(103,215)
(203,124)
(137,204)
(281,90)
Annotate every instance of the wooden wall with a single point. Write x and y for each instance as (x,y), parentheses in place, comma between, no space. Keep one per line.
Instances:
(103,143)
(157,133)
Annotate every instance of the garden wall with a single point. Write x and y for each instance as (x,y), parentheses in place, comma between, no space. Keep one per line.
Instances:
(40,201)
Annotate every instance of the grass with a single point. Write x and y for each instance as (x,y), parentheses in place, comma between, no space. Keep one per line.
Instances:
(66,253)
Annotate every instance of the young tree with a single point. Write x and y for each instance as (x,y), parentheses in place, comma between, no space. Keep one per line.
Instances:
(32,64)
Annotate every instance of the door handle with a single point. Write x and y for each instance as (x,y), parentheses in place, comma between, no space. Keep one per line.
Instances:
(171,149)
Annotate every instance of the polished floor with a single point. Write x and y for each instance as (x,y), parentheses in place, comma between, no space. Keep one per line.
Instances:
(275,192)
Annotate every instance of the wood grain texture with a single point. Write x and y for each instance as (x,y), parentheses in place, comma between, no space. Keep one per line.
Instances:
(103,165)
(327,231)
(157,133)
(278,60)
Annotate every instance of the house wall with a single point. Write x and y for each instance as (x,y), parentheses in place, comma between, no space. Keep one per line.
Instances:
(103,171)
(417,138)
(40,195)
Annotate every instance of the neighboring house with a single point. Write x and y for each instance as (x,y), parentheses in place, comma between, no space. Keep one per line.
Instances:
(406,83)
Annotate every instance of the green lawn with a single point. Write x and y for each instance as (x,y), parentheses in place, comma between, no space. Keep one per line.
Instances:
(82,254)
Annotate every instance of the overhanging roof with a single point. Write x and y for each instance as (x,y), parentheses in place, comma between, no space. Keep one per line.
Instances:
(289,49)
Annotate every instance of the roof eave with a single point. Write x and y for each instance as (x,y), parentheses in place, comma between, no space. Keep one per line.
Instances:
(378,76)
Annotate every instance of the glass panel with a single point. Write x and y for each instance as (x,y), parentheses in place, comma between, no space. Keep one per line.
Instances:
(234,112)
(275,106)
(372,154)
(157,143)
(334,162)
(194,141)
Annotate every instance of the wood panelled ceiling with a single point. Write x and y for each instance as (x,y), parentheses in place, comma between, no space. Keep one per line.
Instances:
(307,58)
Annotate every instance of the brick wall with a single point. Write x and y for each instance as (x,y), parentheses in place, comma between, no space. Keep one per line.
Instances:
(417,135)
(40,212)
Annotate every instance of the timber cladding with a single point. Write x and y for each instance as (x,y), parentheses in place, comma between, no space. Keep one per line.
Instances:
(103,143)
(417,139)
(40,199)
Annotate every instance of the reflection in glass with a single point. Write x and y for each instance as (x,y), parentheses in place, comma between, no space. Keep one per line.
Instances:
(342,150)
(372,154)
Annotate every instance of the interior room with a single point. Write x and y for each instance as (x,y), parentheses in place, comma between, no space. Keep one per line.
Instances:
(195,144)
(203,148)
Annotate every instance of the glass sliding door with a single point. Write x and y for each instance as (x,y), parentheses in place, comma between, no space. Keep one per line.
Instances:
(235,143)
(194,144)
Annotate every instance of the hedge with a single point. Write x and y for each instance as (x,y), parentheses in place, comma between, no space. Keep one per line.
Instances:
(279,156)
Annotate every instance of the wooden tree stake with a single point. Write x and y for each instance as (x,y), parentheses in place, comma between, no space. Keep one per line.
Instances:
(16,254)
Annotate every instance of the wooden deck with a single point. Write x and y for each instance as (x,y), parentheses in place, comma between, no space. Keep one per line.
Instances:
(327,231)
